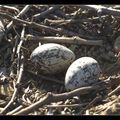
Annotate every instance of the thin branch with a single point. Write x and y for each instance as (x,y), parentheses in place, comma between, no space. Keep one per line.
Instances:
(2,29)
(24,10)
(90,104)
(68,40)
(20,67)
(14,48)
(48,11)
(18,21)
(60,106)
(9,8)
(62,21)
(15,110)
(6,108)
(104,10)
(108,104)
(19,48)
(114,91)
(51,97)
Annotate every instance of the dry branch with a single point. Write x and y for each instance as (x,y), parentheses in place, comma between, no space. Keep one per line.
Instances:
(96,99)
(108,104)
(19,48)
(14,48)
(9,8)
(48,11)
(2,29)
(6,108)
(60,106)
(62,31)
(62,21)
(102,9)
(67,40)
(51,97)
(114,91)
(24,10)
(20,67)
(15,110)
(87,24)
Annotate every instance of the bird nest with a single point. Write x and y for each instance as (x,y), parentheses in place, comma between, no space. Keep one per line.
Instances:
(88,30)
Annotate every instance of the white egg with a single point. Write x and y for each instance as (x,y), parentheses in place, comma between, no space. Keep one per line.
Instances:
(83,72)
(52,58)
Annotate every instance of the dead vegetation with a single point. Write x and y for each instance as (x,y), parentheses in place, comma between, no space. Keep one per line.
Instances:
(88,30)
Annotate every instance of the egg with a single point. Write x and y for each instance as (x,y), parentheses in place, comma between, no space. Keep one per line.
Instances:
(83,72)
(52,58)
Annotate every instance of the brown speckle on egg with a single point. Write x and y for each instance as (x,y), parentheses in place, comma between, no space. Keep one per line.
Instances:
(52,58)
(82,72)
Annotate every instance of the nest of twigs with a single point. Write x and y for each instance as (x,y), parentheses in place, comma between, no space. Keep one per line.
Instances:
(88,30)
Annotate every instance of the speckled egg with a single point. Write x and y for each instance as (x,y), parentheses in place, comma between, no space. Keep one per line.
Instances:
(83,72)
(52,58)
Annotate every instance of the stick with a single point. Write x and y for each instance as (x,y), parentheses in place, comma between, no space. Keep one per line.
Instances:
(103,9)
(10,8)
(90,104)
(2,29)
(114,91)
(19,48)
(14,48)
(62,22)
(108,104)
(18,21)
(20,68)
(6,108)
(68,40)
(60,106)
(51,97)
(15,110)
(24,10)
(48,11)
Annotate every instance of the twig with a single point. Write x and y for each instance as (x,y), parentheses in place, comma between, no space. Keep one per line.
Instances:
(90,104)
(19,47)
(68,40)
(6,108)
(48,11)
(24,10)
(30,24)
(62,21)
(15,110)
(10,8)
(114,91)
(60,106)
(40,27)
(14,48)
(20,67)
(108,104)
(51,97)
(3,103)
(2,29)
(59,15)
(104,10)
